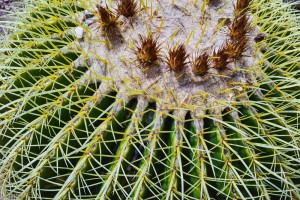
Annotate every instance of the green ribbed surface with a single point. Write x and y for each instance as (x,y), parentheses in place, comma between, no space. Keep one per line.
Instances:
(60,138)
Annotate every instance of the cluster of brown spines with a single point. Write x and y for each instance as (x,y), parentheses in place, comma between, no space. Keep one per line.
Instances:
(177,57)
(200,64)
(221,58)
(238,40)
(109,19)
(127,8)
(148,50)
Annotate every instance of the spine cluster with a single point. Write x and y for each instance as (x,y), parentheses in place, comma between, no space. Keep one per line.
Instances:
(238,39)
(148,50)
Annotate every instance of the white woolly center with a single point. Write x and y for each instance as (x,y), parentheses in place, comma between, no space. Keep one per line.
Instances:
(200,27)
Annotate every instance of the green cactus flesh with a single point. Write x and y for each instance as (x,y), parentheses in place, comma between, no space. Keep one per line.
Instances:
(150,100)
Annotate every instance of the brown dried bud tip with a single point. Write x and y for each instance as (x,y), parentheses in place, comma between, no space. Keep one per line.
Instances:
(107,18)
(221,59)
(127,8)
(260,37)
(200,65)
(148,51)
(177,58)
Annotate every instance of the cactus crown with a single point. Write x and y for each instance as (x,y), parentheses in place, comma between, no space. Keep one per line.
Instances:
(192,99)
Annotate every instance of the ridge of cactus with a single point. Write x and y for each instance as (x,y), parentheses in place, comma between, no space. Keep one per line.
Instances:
(150,99)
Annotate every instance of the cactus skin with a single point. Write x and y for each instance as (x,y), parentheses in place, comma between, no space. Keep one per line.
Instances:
(67,134)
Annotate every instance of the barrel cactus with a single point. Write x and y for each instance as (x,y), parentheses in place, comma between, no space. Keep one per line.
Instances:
(150,99)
